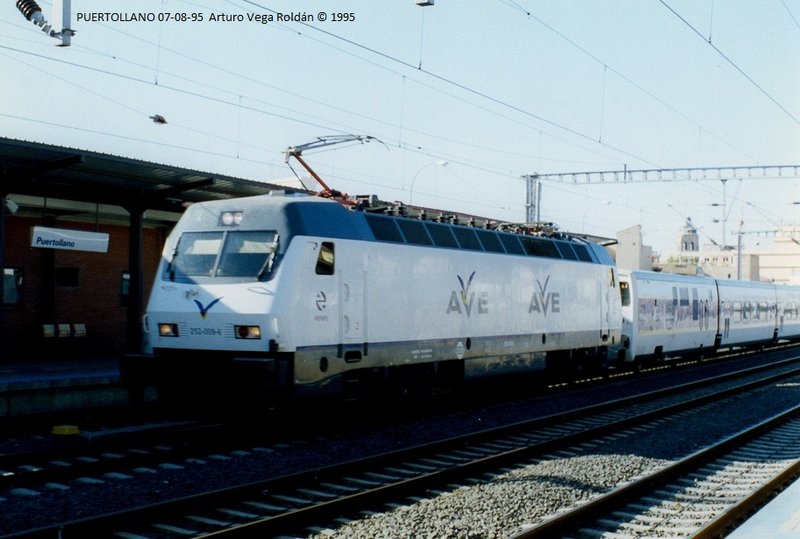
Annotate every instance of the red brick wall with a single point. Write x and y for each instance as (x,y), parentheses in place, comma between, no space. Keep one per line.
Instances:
(96,301)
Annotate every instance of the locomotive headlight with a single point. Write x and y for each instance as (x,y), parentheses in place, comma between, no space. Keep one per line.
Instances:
(231,218)
(168,330)
(247,332)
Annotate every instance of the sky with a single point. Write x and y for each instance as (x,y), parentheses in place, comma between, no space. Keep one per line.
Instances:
(461,99)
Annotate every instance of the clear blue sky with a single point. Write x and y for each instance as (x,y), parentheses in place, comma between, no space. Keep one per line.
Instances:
(493,88)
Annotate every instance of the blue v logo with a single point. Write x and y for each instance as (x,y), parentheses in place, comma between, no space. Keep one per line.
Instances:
(204,309)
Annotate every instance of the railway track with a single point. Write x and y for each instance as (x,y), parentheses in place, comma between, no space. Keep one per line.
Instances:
(292,503)
(101,452)
(115,450)
(702,496)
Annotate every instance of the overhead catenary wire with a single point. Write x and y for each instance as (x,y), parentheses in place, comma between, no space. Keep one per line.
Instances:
(343,129)
(732,63)
(411,148)
(462,86)
(607,67)
(592,139)
(408,146)
(791,15)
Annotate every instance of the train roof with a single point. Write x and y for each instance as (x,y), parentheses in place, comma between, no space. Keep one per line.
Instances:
(303,215)
(663,276)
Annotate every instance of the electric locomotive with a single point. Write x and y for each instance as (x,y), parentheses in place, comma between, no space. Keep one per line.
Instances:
(294,295)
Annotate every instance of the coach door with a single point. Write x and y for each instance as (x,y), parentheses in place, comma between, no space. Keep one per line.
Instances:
(352,282)
(609,316)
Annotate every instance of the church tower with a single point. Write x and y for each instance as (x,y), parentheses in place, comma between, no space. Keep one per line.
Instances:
(690,240)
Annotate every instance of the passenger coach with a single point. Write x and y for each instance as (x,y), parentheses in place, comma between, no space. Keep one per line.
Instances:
(666,314)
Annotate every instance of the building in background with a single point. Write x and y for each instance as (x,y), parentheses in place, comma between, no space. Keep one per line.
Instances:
(780,264)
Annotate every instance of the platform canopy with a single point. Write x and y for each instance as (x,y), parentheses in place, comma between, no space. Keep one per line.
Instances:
(42,170)
(59,182)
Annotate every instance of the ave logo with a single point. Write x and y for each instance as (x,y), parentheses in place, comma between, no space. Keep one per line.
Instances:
(465,301)
(544,301)
(205,308)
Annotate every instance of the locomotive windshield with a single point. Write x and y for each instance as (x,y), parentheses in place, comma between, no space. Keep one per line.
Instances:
(224,254)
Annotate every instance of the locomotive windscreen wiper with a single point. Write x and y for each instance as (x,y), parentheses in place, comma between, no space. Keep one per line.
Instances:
(266,268)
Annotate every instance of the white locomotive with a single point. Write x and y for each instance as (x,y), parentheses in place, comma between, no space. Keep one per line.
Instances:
(299,294)
(294,295)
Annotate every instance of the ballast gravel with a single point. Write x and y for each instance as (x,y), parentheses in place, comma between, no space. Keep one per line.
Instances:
(506,502)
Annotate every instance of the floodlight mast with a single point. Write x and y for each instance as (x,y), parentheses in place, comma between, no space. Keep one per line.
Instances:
(321,142)
(62,10)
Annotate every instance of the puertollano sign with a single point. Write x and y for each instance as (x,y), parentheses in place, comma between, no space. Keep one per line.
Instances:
(70,240)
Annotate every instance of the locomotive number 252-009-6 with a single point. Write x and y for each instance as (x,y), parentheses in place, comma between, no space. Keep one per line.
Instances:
(205,331)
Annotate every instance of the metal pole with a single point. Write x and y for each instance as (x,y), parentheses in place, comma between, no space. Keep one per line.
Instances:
(539,200)
(136,294)
(533,193)
(739,257)
(724,212)
(3,330)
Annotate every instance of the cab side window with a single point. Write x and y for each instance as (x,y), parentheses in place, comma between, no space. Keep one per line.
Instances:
(325,259)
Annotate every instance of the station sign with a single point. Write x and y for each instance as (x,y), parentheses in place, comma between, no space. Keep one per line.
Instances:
(70,240)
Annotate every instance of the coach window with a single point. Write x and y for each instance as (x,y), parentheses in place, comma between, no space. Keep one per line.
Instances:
(325,259)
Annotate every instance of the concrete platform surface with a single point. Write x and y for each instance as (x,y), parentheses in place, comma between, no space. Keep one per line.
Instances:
(51,385)
(779,519)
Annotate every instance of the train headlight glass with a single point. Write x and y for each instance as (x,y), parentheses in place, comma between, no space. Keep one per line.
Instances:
(247,332)
(168,330)
(231,218)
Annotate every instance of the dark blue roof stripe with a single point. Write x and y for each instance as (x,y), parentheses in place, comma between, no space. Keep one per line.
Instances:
(334,221)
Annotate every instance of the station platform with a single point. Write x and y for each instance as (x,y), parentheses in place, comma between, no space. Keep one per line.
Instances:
(779,519)
(36,385)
